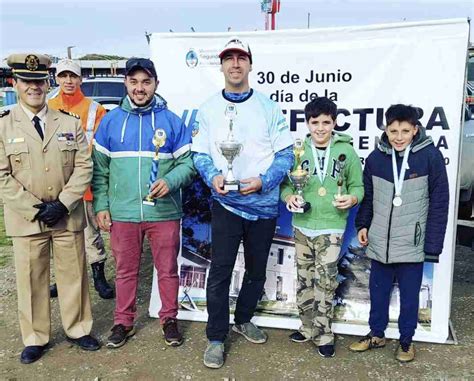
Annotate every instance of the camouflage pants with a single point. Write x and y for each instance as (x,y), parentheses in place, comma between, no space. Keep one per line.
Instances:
(316,260)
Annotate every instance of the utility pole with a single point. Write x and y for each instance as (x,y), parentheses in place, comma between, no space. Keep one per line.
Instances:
(147,36)
(270,8)
(309,19)
(69,51)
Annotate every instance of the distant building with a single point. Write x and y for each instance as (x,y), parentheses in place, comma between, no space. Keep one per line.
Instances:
(425,299)
(94,68)
(281,280)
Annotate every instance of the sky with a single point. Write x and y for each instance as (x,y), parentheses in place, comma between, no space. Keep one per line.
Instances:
(118,27)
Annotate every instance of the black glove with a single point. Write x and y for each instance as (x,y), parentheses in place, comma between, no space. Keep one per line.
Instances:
(50,212)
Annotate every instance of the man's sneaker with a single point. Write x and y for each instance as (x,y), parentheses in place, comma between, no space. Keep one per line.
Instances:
(120,335)
(171,333)
(367,342)
(298,337)
(214,355)
(326,350)
(251,332)
(405,352)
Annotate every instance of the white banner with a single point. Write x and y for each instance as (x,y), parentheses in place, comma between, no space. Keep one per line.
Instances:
(364,70)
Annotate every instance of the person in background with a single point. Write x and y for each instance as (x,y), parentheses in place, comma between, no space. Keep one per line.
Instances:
(70,98)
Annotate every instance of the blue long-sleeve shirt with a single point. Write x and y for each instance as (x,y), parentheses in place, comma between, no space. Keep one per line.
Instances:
(271,179)
(265,136)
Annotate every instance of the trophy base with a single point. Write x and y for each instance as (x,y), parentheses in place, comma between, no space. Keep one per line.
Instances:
(149,201)
(336,197)
(302,209)
(232,186)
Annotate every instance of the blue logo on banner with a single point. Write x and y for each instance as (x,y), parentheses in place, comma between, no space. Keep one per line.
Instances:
(192,58)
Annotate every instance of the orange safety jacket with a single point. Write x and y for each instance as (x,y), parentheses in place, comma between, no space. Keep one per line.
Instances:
(90,112)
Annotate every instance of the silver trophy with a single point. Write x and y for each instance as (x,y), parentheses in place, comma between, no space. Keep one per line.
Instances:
(340,164)
(299,177)
(230,149)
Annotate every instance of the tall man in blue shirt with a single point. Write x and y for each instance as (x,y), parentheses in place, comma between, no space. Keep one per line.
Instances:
(248,214)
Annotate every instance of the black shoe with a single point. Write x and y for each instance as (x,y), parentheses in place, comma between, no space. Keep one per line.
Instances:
(120,335)
(32,353)
(100,283)
(53,291)
(87,342)
(298,337)
(326,350)
(171,333)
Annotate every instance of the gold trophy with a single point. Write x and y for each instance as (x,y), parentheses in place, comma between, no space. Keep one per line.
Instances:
(159,140)
(299,177)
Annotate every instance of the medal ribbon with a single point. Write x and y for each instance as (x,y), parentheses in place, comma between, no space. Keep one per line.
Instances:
(398,179)
(321,174)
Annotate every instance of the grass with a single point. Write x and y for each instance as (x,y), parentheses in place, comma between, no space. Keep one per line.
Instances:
(5,254)
(4,240)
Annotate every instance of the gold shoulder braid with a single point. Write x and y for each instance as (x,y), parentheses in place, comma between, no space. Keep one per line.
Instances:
(70,114)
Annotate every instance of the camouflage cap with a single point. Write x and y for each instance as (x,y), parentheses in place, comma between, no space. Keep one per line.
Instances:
(29,65)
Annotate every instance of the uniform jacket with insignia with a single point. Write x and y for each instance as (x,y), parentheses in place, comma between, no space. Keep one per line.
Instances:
(34,170)
(90,112)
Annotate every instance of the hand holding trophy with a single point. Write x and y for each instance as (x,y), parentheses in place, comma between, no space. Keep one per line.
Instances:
(159,140)
(299,178)
(230,149)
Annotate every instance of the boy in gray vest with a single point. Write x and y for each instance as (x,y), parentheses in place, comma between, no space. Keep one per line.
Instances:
(402,221)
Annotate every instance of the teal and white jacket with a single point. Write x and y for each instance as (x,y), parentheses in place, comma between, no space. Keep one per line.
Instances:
(122,154)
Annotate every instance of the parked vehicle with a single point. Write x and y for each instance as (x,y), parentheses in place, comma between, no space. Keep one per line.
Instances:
(470,84)
(466,187)
(108,91)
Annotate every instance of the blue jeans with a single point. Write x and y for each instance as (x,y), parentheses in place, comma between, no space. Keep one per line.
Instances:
(382,276)
(228,229)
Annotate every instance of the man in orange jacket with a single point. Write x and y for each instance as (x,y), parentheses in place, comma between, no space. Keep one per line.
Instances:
(70,98)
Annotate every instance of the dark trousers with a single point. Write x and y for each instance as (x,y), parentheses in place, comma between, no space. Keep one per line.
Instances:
(228,229)
(382,276)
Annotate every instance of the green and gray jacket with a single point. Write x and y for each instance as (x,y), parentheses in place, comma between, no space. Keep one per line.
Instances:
(123,153)
(323,215)
(413,232)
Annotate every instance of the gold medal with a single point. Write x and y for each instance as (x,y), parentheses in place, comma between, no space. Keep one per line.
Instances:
(322,191)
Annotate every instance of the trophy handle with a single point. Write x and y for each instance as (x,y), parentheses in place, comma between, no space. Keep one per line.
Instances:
(217,147)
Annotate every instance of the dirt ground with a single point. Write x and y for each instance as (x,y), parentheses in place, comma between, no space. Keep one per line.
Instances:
(146,357)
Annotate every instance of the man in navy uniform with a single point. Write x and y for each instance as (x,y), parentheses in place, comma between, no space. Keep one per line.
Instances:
(45,168)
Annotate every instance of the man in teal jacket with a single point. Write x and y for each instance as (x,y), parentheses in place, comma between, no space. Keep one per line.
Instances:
(124,154)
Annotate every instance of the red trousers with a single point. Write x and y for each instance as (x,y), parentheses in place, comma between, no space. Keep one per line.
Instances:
(126,239)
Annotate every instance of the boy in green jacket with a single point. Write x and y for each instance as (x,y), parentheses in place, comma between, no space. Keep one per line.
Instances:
(334,186)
